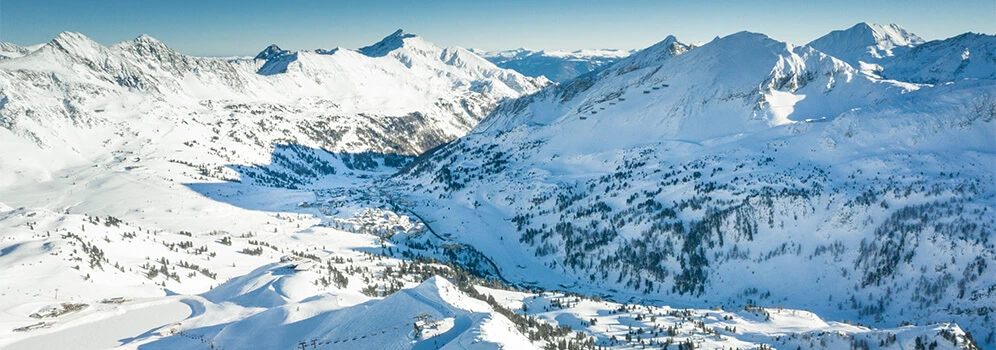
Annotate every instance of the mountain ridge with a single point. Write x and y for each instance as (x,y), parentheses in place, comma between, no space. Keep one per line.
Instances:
(865,42)
(615,181)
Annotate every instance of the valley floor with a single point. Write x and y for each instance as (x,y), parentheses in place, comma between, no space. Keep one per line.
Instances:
(343,263)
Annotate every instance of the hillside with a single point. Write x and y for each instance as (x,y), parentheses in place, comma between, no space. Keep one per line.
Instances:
(725,173)
(966,56)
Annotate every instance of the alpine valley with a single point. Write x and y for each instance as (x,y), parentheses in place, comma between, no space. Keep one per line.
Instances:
(741,193)
(558,66)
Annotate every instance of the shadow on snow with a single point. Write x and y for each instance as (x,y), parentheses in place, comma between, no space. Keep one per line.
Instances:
(293,172)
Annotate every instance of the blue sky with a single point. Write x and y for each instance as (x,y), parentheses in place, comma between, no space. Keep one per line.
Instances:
(226,27)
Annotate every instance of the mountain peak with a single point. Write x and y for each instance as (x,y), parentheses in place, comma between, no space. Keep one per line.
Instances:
(145,38)
(966,56)
(11,50)
(863,27)
(866,42)
(146,45)
(75,44)
(745,41)
(270,52)
(390,43)
(669,45)
(745,37)
(150,43)
(400,33)
(70,38)
(890,33)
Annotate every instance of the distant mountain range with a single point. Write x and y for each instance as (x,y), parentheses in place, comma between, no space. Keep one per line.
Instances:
(400,96)
(558,66)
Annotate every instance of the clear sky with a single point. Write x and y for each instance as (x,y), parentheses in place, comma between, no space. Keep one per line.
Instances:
(228,27)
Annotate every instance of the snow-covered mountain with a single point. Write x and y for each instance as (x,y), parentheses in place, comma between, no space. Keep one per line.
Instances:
(10,50)
(678,197)
(867,42)
(147,151)
(769,85)
(75,100)
(728,172)
(894,53)
(967,56)
(557,65)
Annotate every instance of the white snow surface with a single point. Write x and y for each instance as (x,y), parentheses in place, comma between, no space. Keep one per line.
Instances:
(73,99)
(167,201)
(867,42)
(745,169)
(10,50)
(966,56)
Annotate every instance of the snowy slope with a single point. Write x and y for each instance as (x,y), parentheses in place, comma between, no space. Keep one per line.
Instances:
(557,65)
(185,147)
(727,172)
(73,101)
(867,44)
(894,53)
(740,83)
(450,319)
(329,291)
(639,326)
(10,50)
(967,56)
